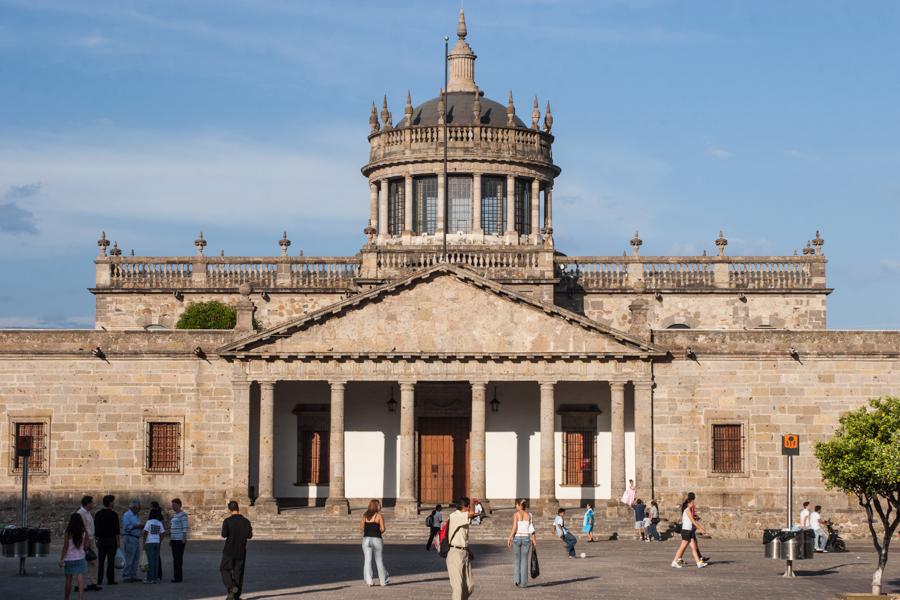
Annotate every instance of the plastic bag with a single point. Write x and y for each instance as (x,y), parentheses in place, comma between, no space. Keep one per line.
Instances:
(120,559)
(143,564)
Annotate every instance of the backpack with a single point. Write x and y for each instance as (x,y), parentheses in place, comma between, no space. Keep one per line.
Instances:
(429,520)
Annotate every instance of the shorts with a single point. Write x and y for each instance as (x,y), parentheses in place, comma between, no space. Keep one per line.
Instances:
(638,524)
(75,567)
(688,534)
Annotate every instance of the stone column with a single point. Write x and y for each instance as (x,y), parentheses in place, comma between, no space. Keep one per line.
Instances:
(477,466)
(617,416)
(336,503)
(240,427)
(383,209)
(547,501)
(373,205)
(440,205)
(511,206)
(266,496)
(408,206)
(643,437)
(535,209)
(548,207)
(476,204)
(406,502)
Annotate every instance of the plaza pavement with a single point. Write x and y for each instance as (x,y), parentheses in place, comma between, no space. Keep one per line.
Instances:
(612,569)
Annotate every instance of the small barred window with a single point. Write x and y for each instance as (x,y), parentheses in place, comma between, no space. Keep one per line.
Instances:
(727,445)
(37,431)
(163,447)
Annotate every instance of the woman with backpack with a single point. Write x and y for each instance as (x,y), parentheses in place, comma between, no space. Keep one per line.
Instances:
(73,552)
(433,522)
(522,541)
(372,526)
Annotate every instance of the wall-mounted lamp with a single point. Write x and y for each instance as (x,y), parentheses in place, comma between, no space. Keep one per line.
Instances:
(98,352)
(391,403)
(199,353)
(495,404)
(178,294)
(795,354)
(265,296)
(742,297)
(690,354)
(658,296)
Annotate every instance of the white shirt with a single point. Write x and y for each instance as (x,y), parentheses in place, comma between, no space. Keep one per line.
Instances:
(154,530)
(686,522)
(804,518)
(88,519)
(560,525)
(814,518)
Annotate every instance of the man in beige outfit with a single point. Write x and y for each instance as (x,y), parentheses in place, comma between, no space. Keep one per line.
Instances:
(458,566)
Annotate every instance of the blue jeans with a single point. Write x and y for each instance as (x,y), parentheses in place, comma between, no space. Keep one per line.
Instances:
(653,533)
(570,541)
(132,556)
(821,539)
(370,546)
(152,551)
(522,552)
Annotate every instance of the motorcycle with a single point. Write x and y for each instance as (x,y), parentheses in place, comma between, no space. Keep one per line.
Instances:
(834,543)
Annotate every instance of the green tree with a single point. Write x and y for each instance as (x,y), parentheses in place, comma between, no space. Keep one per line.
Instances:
(207,315)
(863,458)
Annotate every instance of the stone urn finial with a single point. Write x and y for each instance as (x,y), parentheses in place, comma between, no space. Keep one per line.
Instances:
(636,243)
(808,249)
(373,119)
(245,289)
(115,250)
(285,243)
(817,243)
(548,119)
(476,108)
(535,115)
(721,242)
(510,111)
(386,117)
(442,108)
(200,244)
(103,243)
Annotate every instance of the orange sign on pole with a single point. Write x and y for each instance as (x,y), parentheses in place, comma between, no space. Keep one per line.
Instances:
(790,444)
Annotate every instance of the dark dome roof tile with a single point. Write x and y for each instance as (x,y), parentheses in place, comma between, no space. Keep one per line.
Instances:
(460,112)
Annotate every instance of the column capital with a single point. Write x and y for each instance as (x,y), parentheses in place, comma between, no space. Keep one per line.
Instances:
(408,386)
(337,383)
(240,383)
(480,383)
(267,385)
(548,383)
(617,385)
(643,385)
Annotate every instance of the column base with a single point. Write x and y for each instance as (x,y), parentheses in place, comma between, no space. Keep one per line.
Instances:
(547,506)
(337,506)
(268,506)
(406,508)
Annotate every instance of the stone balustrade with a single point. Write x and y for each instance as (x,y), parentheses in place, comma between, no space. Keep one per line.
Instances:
(461,139)
(491,262)
(692,272)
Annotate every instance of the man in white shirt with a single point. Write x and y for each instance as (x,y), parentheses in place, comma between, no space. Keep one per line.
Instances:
(458,566)
(814,523)
(804,516)
(87,505)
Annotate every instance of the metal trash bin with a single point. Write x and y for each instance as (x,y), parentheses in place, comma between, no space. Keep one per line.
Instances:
(786,544)
(38,542)
(15,542)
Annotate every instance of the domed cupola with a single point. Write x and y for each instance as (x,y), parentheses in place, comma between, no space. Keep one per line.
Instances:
(497,166)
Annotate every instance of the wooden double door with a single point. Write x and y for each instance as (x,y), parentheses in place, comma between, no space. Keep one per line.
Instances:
(443,459)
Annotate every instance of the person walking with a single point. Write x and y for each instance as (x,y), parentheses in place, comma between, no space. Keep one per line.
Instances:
(154,505)
(236,530)
(107,529)
(372,528)
(153,532)
(178,531)
(689,529)
(652,531)
(85,512)
(804,516)
(562,532)
(72,557)
(131,532)
(587,525)
(629,494)
(522,541)
(459,565)
(640,511)
(815,523)
(433,521)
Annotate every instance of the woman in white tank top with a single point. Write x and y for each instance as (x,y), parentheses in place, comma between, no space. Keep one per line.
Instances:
(521,540)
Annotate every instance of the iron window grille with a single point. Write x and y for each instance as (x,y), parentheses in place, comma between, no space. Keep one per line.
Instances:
(37,463)
(579,458)
(727,448)
(163,447)
(313,458)
(493,205)
(460,205)
(425,205)
(523,206)
(396,206)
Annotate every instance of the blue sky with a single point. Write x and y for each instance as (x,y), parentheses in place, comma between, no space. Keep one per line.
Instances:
(153,120)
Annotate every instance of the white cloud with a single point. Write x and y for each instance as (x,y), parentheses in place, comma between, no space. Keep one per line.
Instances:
(720,152)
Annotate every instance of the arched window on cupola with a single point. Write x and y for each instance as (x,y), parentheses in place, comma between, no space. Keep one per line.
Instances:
(425,205)
(459,188)
(493,204)
(396,206)
(523,206)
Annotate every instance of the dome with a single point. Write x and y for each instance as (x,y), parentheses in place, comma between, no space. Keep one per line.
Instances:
(459,112)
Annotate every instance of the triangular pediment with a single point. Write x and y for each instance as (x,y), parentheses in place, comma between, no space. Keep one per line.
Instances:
(443,311)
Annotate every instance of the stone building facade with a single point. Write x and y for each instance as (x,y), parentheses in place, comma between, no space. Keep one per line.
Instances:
(502,368)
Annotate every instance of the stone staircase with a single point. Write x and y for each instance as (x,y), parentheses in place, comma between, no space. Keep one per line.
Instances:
(309,524)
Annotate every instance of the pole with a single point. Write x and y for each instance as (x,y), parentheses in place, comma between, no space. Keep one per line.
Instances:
(24,516)
(446,111)
(789,568)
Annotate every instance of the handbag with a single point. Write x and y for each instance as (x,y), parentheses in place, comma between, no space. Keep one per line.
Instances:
(445,542)
(120,559)
(535,567)
(90,555)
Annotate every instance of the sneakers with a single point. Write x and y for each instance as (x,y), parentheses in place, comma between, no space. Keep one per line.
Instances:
(702,565)
(678,564)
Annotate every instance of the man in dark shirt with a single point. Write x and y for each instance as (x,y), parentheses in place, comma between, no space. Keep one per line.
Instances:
(236,530)
(106,529)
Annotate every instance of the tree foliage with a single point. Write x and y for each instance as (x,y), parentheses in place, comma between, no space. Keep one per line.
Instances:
(207,315)
(863,458)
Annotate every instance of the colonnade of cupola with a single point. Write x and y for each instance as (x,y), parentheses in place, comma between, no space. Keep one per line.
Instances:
(498,187)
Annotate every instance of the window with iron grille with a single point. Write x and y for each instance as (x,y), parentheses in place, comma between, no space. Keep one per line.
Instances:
(523,206)
(396,206)
(493,204)
(579,458)
(425,205)
(459,188)
(312,458)
(163,447)
(727,448)
(37,463)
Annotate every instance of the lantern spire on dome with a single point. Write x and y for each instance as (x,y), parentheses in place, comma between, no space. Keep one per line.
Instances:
(461,30)
(535,115)
(461,60)
(373,119)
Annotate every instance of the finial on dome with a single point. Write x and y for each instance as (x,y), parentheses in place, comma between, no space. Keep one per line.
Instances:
(103,243)
(386,117)
(442,107)
(721,242)
(476,107)
(461,30)
(535,115)
(548,119)
(285,243)
(115,250)
(200,244)
(408,111)
(373,119)
(636,243)
(817,243)
(510,111)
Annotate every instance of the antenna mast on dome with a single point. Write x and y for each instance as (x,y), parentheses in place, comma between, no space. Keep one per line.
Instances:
(444,119)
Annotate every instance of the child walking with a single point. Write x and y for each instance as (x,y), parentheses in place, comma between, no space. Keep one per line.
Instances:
(73,552)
